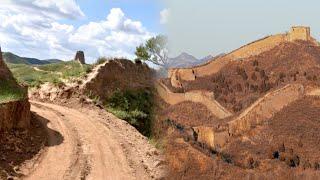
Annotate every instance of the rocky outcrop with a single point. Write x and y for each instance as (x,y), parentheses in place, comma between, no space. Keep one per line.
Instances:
(80,57)
(15,115)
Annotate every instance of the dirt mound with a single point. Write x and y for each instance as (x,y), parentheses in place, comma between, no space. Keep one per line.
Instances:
(119,74)
(242,82)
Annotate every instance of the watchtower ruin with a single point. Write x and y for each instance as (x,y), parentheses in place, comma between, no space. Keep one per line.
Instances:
(80,57)
(299,33)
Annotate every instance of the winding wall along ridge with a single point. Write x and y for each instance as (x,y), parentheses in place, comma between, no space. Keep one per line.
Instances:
(265,107)
(254,48)
(204,98)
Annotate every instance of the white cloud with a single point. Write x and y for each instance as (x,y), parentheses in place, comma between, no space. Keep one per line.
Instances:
(34,29)
(164,15)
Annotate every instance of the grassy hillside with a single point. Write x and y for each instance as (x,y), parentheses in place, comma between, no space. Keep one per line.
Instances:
(54,73)
(15,59)
(10,91)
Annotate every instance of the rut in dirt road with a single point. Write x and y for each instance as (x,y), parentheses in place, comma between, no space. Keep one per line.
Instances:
(91,144)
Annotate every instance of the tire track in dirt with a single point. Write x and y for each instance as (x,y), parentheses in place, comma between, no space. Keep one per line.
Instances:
(91,147)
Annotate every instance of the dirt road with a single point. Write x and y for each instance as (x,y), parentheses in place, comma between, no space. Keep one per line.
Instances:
(89,143)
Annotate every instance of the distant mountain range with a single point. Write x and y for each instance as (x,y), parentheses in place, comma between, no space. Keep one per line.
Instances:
(186,60)
(15,59)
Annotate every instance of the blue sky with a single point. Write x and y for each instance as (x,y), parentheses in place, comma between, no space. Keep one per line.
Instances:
(146,11)
(57,29)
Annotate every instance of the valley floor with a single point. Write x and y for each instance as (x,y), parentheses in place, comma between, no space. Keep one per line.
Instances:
(89,143)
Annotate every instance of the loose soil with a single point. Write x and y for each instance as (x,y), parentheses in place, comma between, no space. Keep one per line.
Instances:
(89,143)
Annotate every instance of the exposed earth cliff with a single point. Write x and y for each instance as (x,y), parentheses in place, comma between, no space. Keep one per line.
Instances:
(14,105)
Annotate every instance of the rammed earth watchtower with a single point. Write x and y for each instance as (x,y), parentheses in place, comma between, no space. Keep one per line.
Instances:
(80,57)
(299,33)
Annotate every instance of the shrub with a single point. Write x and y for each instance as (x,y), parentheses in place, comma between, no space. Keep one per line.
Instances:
(253,76)
(242,73)
(133,106)
(263,74)
(57,82)
(255,63)
(101,60)
(264,86)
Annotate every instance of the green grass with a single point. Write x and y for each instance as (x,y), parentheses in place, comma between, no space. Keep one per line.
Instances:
(10,91)
(133,106)
(67,69)
(53,73)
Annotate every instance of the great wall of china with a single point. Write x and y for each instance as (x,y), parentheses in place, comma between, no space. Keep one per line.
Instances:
(265,107)
(254,48)
(259,112)
(204,98)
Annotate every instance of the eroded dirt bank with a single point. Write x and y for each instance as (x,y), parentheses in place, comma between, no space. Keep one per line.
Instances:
(89,143)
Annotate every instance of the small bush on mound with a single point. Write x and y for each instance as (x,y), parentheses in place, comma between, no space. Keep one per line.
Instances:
(101,60)
(133,106)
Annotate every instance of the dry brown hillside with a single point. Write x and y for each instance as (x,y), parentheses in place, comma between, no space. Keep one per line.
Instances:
(273,141)
(242,82)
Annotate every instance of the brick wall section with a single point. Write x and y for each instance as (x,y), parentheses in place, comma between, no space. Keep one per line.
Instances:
(210,137)
(204,98)
(264,108)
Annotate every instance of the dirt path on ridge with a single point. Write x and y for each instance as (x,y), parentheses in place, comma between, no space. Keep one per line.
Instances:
(91,144)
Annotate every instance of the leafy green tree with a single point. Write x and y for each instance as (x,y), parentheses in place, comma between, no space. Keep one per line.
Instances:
(155,51)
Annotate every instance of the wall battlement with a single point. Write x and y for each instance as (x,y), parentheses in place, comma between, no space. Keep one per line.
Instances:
(177,75)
